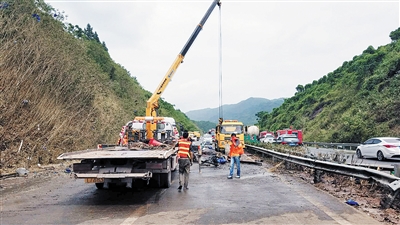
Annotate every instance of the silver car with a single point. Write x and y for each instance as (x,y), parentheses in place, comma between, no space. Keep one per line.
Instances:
(380,148)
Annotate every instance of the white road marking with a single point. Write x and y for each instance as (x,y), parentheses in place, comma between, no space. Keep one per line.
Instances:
(130,220)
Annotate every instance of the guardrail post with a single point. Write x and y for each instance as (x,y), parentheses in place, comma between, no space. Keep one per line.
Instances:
(396,169)
(317,176)
(287,166)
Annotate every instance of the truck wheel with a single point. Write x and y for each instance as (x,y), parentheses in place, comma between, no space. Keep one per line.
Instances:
(155,181)
(166,180)
(99,185)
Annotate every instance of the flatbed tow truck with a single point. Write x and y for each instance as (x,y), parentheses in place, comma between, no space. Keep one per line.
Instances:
(122,165)
(140,159)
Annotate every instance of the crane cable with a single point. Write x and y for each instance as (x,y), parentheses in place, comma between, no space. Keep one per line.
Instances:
(220,66)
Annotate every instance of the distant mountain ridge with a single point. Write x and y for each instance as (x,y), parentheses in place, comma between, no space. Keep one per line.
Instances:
(244,111)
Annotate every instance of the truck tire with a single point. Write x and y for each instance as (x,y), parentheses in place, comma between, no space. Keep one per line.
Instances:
(155,181)
(166,180)
(99,185)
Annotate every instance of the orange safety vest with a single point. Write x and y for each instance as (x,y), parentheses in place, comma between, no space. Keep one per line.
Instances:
(125,140)
(235,150)
(184,148)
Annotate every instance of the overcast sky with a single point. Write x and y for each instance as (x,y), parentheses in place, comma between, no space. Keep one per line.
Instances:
(268,47)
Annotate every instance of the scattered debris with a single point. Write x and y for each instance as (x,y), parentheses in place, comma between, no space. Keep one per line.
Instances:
(22,172)
(20,146)
(5,176)
(352,202)
(273,169)
(222,160)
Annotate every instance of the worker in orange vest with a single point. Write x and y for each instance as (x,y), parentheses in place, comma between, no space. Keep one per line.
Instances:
(125,140)
(236,150)
(185,160)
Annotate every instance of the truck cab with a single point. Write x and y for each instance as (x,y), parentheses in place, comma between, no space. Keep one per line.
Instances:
(223,133)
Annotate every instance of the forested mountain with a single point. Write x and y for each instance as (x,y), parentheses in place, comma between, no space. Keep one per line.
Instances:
(205,126)
(358,100)
(60,89)
(244,111)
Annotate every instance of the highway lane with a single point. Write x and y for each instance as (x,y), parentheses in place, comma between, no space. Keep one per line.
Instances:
(258,197)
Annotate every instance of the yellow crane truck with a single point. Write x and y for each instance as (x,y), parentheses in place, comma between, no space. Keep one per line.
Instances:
(125,164)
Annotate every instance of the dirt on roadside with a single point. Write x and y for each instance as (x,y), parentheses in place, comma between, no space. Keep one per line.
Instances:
(364,195)
(11,182)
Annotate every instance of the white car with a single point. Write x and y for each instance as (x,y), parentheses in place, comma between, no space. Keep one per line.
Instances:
(207,139)
(267,139)
(380,148)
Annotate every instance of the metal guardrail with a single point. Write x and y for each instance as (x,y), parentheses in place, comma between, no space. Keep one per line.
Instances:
(349,146)
(347,170)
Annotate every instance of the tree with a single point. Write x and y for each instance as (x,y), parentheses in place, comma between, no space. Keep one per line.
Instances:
(112,73)
(369,50)
(96,37)
(104,46)
(300,88)
(395,35)
(78,32)
(89,32)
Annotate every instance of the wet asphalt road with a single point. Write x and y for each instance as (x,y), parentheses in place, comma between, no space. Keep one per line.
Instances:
(258,197)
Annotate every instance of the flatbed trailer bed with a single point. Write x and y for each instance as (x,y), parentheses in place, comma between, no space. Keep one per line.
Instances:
(118,153)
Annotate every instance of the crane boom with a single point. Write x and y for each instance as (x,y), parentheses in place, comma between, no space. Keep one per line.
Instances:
(152,102)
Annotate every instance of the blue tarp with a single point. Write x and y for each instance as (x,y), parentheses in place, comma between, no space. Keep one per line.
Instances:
(36,16)
(3,5)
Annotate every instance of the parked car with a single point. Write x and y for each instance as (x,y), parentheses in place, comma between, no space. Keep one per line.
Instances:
(380,148)
(289,139)
(267,139)
(207,139)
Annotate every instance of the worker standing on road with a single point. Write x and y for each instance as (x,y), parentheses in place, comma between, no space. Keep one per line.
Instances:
(185,157)
(236,150)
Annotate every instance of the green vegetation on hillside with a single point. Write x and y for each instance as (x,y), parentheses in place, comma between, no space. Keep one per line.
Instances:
(358,100)
(205,126)
(60,89)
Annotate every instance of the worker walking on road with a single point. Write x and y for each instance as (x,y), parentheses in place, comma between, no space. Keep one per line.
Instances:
(236,150)
(185,157)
